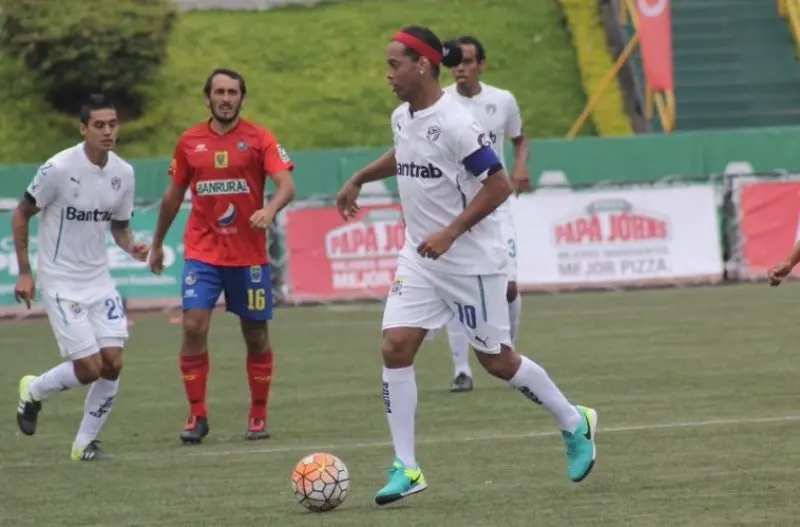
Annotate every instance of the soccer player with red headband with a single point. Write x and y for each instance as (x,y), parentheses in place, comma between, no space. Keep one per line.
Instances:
(453,263)
(225,161)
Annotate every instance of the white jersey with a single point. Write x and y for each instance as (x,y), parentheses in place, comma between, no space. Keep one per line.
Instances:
(78,199)
(498,113)
(443,156)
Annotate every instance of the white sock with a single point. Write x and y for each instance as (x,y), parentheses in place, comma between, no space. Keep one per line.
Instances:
(400,405)
(534,383)
(459,347)
(98,404)
(59,379)
(514,313)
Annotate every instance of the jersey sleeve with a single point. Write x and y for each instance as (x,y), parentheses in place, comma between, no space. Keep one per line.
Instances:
(513,126)
(44,187)
(124,209)
(179,170)
(275,157)
(474,149)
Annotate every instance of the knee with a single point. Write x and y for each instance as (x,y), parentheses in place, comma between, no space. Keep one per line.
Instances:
(511,292)
(503,365)
(256,343)
(256,337)
(396,350)
(112,367)
(195,330)
(89,369)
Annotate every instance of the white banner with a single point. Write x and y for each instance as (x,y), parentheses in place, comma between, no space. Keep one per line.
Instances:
(615,238)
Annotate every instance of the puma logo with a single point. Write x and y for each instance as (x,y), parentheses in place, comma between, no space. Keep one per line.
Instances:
(588,433)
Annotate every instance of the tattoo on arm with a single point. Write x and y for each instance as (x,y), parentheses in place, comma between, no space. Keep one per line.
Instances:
(25,211)
(122,234)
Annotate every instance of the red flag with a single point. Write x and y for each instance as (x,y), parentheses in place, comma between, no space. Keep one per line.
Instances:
(655,39)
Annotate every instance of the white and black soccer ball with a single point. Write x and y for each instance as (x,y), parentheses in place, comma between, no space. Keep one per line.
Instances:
(320,482)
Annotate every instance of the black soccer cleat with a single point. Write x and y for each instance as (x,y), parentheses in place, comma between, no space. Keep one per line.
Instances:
(27,409)
(195,429)
(257,429)
(462,383)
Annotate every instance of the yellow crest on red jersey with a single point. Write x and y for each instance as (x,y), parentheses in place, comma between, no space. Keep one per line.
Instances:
(221,159)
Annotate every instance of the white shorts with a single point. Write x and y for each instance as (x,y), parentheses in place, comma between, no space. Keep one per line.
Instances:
(84,321)
(509,234)
(425,299)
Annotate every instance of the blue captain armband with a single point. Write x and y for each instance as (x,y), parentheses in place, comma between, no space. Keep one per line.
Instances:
(482,160)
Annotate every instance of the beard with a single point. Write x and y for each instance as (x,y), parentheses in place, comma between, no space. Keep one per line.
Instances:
(226,120)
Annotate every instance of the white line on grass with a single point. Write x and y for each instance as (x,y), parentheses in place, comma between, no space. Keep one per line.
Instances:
(199,452)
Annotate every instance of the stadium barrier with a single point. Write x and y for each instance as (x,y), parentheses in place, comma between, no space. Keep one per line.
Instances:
(581,161)
(633,234)
(557,166)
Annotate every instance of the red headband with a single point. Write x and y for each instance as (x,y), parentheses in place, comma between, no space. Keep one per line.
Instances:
(419,46)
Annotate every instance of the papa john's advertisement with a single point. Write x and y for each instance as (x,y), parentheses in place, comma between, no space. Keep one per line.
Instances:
(637,237)
(330,259)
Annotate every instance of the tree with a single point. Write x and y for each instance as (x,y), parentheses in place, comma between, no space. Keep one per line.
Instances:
(78,47)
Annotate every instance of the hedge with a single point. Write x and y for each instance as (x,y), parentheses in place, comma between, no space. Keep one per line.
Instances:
(77,47)
(328,91)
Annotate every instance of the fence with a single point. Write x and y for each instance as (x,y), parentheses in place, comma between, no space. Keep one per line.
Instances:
(637,234)
(725,228)
(585,161)
(606,213)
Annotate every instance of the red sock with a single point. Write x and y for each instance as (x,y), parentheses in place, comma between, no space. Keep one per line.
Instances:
(259,375)
(195,375)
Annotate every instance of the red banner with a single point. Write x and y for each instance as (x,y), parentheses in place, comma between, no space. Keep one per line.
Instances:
(655,39)
(769,221)
(330,259)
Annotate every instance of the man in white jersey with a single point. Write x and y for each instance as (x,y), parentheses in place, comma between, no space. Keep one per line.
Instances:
(498,113)
(453,263)
(79,192)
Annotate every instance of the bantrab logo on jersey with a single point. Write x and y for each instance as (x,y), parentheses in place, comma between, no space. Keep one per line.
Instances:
(88,215)
(429,171)
(222,187)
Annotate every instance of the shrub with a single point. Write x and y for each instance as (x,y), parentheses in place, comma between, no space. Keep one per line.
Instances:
(76,47)
(595,61)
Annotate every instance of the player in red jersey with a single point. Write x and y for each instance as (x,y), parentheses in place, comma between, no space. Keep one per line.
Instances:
(224,161)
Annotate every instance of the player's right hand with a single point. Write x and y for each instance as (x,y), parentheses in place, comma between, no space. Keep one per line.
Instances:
(25,289)
(346,200)
(156,259)
(139,252)
(778,272)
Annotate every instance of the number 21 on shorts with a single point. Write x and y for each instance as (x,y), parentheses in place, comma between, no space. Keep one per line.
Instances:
(256,299)
(116,309)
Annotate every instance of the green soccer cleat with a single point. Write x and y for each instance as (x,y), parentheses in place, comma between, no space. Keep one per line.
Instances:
(581,449)
(91,452)
(403,481)
(27,408)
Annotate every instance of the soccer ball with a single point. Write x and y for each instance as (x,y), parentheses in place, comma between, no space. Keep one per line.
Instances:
(320,482)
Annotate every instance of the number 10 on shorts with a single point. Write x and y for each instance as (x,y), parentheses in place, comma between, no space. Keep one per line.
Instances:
(467,315)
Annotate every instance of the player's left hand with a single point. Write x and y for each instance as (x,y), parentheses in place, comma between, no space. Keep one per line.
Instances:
(522,181)
(262,218)
(778,272)
(346,200)
(436,244)
(139,252)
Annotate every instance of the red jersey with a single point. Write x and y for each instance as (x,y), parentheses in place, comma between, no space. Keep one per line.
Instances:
(227,176)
